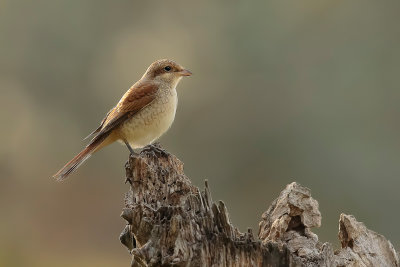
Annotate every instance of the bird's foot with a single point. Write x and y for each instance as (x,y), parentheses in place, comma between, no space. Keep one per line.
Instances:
(133,154)
(156,147)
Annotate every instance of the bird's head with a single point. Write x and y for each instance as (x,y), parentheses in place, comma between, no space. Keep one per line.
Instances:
(166,71)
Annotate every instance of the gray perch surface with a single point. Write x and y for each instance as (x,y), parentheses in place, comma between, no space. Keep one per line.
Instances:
(171,222)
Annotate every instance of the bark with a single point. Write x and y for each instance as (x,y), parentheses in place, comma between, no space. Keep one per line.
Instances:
(171,222)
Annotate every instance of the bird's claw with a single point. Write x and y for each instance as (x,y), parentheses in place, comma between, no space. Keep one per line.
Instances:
(133,154)
(157,148)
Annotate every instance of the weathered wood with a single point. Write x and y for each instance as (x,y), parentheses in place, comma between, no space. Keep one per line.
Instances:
(363,247)
(170,222)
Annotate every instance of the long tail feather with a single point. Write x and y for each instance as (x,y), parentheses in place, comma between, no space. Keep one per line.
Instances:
(97,143)
(74,164)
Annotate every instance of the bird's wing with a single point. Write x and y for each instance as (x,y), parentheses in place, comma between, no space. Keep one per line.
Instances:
(135,99)
(100,126)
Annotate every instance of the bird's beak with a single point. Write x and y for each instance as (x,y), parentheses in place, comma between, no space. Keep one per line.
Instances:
(185,73)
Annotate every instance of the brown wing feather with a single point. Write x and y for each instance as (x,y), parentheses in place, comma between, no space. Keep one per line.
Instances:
(135,99)
(100,126)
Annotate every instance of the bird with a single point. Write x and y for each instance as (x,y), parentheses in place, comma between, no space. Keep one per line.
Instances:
(143,114)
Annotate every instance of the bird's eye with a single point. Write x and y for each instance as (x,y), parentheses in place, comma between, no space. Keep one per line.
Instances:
(167,68)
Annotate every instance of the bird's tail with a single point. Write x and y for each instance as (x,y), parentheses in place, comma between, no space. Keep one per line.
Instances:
(97,143)
(74,164)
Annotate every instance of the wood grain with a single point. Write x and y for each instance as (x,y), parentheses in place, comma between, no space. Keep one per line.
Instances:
(171,222)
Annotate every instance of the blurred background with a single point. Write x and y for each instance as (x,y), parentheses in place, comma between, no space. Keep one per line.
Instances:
(282,91)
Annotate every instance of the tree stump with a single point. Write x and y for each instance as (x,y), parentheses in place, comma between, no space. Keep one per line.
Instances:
(171,222)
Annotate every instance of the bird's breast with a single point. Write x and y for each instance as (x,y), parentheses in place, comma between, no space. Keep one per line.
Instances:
(152,121)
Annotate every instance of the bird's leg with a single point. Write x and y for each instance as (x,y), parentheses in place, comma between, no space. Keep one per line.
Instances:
(133,153)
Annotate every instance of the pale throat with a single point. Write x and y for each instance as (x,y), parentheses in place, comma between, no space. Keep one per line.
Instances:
(168,82)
